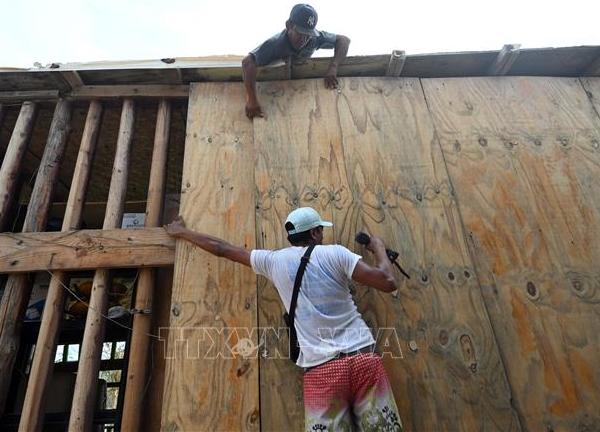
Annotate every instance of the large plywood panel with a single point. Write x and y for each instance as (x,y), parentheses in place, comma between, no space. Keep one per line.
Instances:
(450,376)
(209,384)
(523,157)
(367,157)
(299,162)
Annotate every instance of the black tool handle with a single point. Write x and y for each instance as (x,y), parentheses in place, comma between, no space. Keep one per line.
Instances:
(364,239)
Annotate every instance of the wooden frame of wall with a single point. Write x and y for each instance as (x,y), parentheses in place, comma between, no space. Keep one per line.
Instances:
(101,249)
(74,249)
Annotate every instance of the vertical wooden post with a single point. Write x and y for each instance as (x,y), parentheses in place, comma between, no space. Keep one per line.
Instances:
(142,321)
(43,361)
(18,290)
(84,396)
(9,173)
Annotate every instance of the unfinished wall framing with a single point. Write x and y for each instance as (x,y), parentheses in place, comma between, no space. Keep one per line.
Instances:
(488,187)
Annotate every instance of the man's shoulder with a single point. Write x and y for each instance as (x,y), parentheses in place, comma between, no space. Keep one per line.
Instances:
(272,47)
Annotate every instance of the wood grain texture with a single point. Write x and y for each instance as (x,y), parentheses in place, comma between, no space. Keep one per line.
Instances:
(299,162)
(18,290)
(592,88)
(11,163)
(43,360)
(85,392)
(523,157)
(137,371)
(204,390)
(85,249)
(449,375)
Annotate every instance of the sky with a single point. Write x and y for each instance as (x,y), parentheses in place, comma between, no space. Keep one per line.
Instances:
(47,31)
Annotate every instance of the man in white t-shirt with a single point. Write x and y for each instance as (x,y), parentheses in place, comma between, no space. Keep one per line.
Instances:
(345,384)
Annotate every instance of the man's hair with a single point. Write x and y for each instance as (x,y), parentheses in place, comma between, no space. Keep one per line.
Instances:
(298,238)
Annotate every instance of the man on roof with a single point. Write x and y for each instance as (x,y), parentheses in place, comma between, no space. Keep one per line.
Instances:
(299,40)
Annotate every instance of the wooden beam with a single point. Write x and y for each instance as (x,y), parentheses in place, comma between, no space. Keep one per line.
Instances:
(73,79)
(84,395)
(34,95)
(593,69)
(43,360)
(130,91)
(11,165)
(18,290)
(504,60)
(396,64)
(84,250)
(142,321)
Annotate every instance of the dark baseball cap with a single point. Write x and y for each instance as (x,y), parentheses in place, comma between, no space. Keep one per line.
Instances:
(304,17)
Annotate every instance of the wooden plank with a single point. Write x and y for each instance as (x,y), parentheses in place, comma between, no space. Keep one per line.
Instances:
(212,294)
(450,367)
(18,290)
(85,250)
(522,157)
(43,360)
(505,59)
(299,162)
(72,78)
(130,91)
(28,95)
(397,59)
(11,164)
(137,375)
(593,69)
(84,395)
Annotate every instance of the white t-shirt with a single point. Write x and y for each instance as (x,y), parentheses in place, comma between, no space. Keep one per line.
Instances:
(327,321)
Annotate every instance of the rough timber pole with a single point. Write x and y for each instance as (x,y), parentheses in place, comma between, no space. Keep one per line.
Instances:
(142,321)
(9,173)
(84,396)
(32,414)
(18,290)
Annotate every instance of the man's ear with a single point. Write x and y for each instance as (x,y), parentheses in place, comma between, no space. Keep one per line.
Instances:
(314,233)
(288,25)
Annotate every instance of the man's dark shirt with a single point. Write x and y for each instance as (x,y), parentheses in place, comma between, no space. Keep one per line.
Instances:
(279,48)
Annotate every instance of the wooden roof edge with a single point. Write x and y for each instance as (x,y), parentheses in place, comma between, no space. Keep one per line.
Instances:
(510,60)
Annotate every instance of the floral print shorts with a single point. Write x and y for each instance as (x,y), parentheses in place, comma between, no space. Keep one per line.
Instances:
(350,393)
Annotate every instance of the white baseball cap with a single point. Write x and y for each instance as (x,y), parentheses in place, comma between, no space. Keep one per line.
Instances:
(303,219)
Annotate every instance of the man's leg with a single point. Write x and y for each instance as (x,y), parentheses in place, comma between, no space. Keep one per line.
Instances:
(327,398)
(373,407)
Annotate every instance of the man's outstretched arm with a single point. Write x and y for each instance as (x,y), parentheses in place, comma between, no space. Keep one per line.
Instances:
(249,68)
(339,55)
(213,245)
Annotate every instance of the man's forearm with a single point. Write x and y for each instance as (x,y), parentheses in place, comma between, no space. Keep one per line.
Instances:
(249,74)
(382,262)
(341,50)
(210,244)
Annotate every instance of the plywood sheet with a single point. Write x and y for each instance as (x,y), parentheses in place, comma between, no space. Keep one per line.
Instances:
(210,384)
(450,375)
(299,162)
(523,157)
(367,157)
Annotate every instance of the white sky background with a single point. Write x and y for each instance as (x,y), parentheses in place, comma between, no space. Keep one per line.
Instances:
(47,31)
